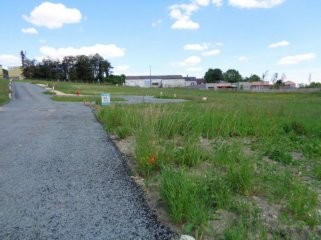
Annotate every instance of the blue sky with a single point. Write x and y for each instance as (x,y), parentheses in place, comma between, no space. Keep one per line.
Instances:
(183,37)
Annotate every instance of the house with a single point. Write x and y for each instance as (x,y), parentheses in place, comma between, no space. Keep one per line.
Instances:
(161,81)
(289,85)
(1,72)
(222,85)
(190,81)
(15,73)
(253,86)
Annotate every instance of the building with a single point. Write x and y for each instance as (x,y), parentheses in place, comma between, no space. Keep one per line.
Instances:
(221,85)
(160,81)
(1,72)
(289,85)
(15,73)
(253,86)
(190,81)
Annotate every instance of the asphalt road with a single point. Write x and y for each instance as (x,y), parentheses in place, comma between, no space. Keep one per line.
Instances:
(62,178)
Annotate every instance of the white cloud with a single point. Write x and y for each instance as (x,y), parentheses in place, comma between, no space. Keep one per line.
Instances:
(7,60)
(182,13)
(255,3)
(242,58)
(196,46)
(203,2)
(296,59)
(157,23)
(105,50)
(191,61)
(217,3)
(29,30)
(53,15)
(211,53)
(279,44)
(185,23)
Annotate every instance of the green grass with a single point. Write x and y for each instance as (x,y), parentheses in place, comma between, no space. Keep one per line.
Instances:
(252,140)
(4,91)
(219,153)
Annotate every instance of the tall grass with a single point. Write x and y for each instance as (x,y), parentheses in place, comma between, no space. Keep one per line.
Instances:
(241,131)
(4,91)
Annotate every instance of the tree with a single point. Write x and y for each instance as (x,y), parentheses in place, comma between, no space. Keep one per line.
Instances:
(232,76)
(274,77)
(96,66)
(314,85)
(213,75)
(68,68)
(72,68)
(104,70)
(253,78)
(279,83)
(29,68)
(84,69)
(5,73)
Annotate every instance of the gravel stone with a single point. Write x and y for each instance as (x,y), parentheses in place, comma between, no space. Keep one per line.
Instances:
(61,177)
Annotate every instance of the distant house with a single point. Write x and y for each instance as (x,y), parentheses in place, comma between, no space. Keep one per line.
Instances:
(253,86)
(289,84)
(190,81)
(222,85)
(161,81)
(15,73)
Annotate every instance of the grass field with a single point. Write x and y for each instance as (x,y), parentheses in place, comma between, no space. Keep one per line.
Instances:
(4,91)
(254,157)
(237,166)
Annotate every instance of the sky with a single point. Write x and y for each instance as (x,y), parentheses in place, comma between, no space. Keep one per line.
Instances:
(167,37)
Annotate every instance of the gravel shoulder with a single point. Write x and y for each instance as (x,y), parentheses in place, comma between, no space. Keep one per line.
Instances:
(61,177)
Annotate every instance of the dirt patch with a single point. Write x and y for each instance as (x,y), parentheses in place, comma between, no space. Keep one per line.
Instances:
(270,212)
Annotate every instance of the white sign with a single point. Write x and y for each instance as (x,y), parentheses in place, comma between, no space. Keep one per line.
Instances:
(105,99)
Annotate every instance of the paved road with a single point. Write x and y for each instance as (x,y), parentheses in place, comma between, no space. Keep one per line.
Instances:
(62,178)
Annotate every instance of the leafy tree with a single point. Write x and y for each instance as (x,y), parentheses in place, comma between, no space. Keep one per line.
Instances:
(68,68)
(84,69)
(274,78)
(213,75)
(253,78)
(116,79)
(279,83)
(104,70)
(96,66)
(29,68)
(72,68)
(314,85)
(5,73)
(232,76)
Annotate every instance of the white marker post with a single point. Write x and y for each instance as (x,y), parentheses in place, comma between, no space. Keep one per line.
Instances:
(105,99)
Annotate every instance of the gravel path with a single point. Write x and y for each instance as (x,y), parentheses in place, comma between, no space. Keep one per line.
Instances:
(62,178)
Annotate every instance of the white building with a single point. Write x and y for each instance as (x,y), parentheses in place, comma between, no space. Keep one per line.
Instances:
(253,86)
(165,81)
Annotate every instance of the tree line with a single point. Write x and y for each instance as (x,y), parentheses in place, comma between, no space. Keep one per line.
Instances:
(231,75)
(90,69)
